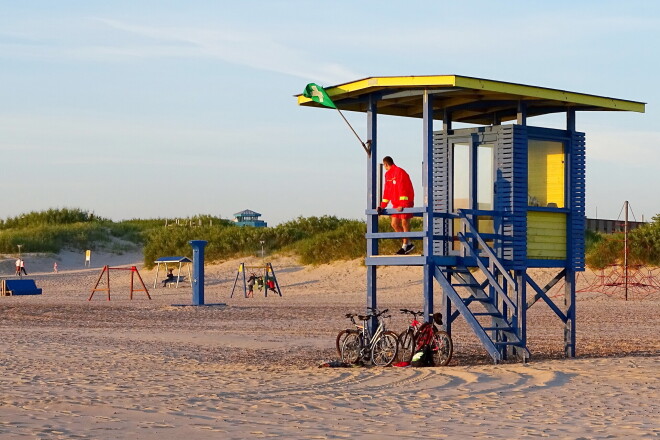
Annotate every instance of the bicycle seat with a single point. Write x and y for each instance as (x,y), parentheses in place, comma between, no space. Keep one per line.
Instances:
(362,317)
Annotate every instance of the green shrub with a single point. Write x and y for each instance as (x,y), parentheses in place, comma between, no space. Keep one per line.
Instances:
(347,242)
(605,252)
(224,242)
(344,243)
(53,238)
(229,241)
(591,238)
(643,247)
(60,216)
(645,243)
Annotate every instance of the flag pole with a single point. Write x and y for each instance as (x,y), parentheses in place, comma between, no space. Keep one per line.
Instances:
(367,149)
(318,94)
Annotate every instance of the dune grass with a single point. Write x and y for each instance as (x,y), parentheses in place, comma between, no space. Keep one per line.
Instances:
(314,240)
(56,217)
(53,238)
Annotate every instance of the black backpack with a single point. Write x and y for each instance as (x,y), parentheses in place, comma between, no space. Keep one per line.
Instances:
(423,358)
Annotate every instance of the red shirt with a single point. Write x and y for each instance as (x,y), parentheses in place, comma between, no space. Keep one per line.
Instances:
(398,189)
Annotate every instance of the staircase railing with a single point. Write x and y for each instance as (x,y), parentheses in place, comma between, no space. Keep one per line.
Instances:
(468,228)
(469,317)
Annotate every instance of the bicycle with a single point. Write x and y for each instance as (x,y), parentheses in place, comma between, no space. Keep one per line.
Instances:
(381,347)
(342,334)
(418,334)
(407,337)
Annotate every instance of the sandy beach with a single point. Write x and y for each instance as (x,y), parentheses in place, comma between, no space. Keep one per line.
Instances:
(99,369)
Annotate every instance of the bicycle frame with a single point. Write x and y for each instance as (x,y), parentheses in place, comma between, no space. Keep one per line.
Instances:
(380,346)
(414,324)
(367,338)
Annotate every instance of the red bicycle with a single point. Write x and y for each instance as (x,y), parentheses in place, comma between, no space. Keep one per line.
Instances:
(407,337)
(419,334)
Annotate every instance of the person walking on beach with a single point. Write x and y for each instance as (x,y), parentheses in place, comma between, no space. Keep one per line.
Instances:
(55,267)
(400,193)
(18,267)
(22,267)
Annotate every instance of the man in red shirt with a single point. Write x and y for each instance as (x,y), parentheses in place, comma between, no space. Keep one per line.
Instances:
(398,191)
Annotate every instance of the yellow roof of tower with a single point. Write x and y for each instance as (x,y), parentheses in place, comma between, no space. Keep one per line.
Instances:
(471,100)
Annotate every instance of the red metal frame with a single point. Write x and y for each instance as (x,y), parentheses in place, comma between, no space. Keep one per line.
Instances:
(106,270)
(640,281)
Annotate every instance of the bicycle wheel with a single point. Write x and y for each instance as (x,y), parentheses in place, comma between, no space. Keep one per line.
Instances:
(384,349)
(406,345)
(442,347)
(341,336)
(351,348)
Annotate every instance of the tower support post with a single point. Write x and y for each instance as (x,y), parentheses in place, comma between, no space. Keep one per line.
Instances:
(372,203)
(427,184)
(569,305)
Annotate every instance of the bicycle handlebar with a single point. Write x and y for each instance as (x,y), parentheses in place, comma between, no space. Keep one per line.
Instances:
(374,313)
(436,317)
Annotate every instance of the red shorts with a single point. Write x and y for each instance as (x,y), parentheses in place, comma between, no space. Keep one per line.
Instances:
(403,216)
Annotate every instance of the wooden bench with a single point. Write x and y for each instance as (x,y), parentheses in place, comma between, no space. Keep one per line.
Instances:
(20,287)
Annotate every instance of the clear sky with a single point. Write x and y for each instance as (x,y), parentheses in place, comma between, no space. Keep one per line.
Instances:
(171,108)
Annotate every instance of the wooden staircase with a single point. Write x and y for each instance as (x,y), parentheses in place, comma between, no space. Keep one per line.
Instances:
(490,307)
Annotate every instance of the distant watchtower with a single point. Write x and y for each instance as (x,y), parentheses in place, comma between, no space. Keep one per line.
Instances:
(497,199)
(249,218)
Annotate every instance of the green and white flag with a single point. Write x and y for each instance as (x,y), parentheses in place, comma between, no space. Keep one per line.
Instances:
(317,94)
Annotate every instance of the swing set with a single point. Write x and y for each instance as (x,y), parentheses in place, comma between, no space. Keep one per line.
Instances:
(266,280)
(106,270)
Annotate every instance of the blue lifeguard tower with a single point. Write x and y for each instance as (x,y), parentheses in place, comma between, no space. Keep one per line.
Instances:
(498,199)
(249,218)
